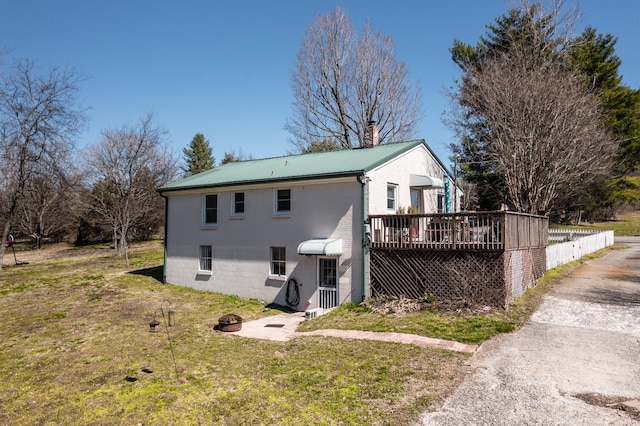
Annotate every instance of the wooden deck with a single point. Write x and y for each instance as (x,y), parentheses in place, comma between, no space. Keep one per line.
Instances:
(486,231)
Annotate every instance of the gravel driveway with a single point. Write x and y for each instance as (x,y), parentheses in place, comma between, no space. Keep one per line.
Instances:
(577,362)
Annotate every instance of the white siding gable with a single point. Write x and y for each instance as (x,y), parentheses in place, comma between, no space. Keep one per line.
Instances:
(418,161)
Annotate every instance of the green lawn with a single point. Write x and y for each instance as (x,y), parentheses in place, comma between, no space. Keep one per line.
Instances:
(75,348)
(466,328)
(627,225)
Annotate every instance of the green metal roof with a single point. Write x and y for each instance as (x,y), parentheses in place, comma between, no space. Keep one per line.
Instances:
(321,165)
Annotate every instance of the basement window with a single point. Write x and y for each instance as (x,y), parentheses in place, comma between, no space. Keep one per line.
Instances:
(278,261)
(205,260)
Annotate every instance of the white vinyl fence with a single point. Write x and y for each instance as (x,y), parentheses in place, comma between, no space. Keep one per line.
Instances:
(577,246)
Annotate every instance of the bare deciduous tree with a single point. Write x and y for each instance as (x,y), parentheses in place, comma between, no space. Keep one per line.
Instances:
(44,211)
(544,132)
(342,82)
(38,116)
(530,133)
(125,169)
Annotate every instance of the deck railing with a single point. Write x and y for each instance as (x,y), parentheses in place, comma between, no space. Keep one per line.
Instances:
(459,231)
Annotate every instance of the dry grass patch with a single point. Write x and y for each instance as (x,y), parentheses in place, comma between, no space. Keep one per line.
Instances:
(75,348)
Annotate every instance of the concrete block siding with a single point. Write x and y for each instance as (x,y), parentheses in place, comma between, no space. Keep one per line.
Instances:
(241,245)
(331,195)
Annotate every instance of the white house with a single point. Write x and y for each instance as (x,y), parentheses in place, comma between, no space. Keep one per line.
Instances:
(293,230)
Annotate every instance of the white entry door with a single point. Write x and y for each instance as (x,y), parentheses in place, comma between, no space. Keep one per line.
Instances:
(327,282)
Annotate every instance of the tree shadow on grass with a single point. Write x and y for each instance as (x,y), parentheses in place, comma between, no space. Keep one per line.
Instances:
(155,273)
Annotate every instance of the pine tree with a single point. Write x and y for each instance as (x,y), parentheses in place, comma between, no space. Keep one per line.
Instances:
(521,113)
(198,156)
(531,29)
(593,56)
(232,157)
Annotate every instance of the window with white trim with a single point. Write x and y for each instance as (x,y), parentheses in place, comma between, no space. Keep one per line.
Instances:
(278,261)
(440,203)
(237,204)
(210,209)
(392,196)
(283,201)
(205,259)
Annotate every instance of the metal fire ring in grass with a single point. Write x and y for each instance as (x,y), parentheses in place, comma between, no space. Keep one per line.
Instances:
(230,322)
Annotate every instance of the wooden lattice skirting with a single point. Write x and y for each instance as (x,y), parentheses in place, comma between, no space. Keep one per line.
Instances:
(493,278)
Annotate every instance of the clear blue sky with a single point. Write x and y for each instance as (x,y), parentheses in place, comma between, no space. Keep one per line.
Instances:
(222,68)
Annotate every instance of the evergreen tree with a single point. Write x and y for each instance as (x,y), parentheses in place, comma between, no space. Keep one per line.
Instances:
(232,157)
(322,146)
(534,32)
(521,113)
(524,26)
(593,56)
(198,156)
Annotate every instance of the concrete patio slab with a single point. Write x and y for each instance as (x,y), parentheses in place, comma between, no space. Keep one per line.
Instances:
(282,328)
(276,327)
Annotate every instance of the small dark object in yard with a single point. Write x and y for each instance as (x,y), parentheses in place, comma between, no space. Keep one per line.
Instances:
(153,326)
(275,325)
(130,379)
(146,370)
(230,322)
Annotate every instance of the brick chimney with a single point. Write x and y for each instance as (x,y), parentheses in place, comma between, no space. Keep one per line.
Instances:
(371,134)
